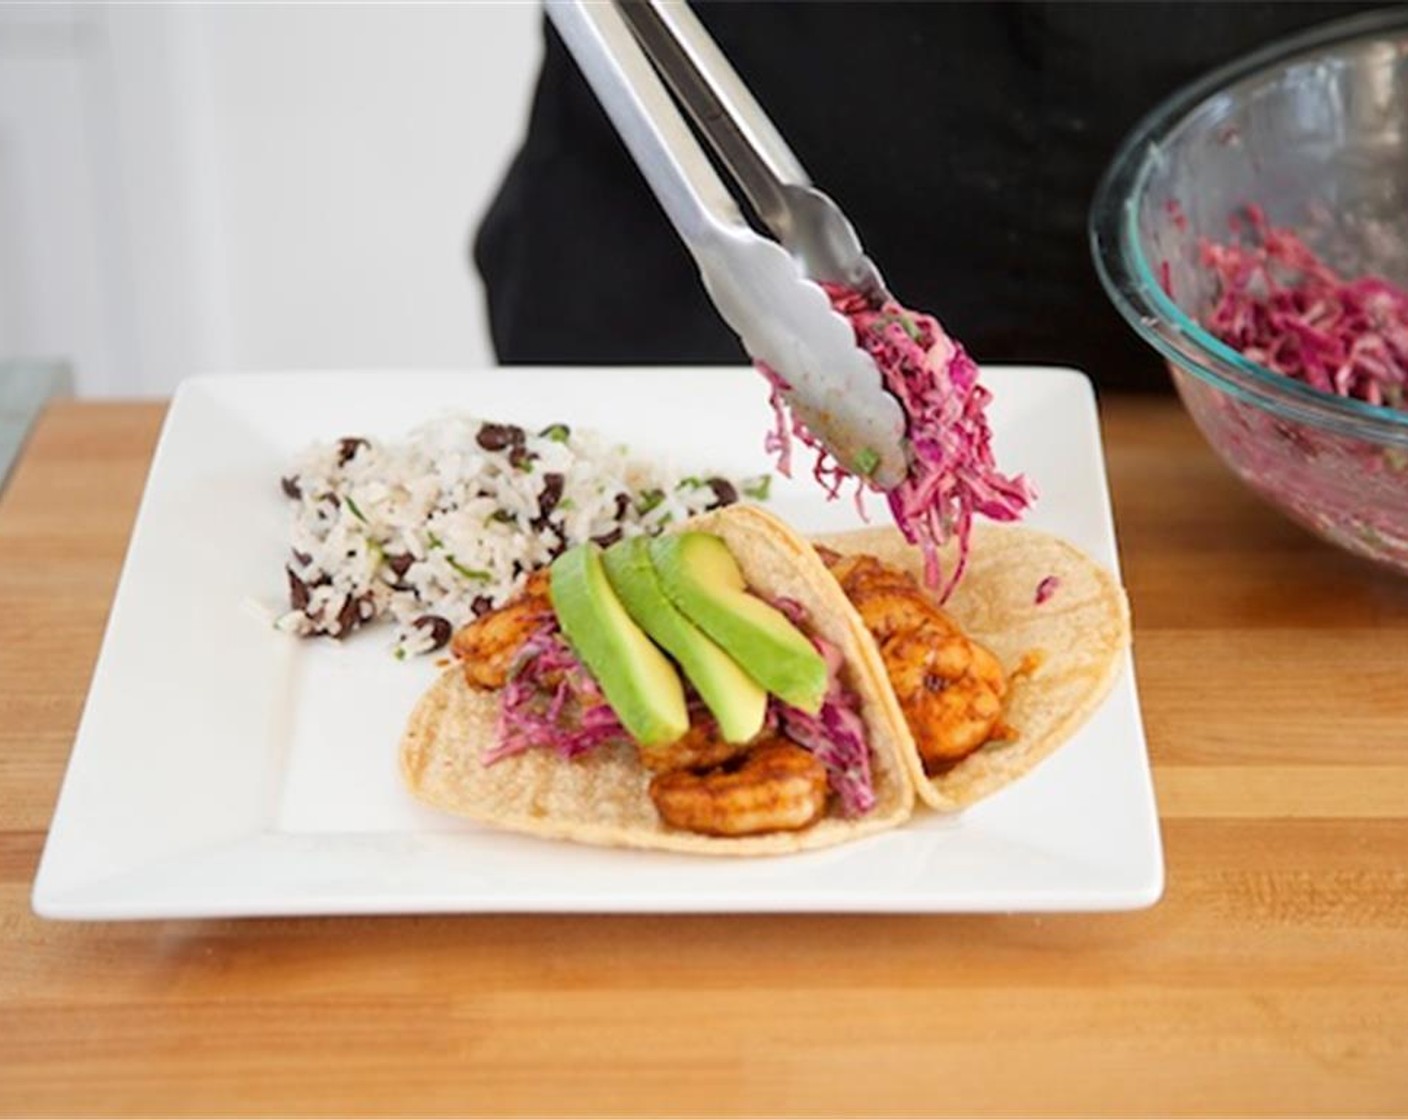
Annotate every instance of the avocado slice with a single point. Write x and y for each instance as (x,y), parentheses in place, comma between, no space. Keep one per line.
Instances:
(638,680)
(736,700)
(702,578)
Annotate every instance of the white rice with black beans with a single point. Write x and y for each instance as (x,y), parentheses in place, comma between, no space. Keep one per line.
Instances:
(446,524)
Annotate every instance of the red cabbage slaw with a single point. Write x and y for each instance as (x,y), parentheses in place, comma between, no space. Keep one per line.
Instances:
(952,473)
(836,735)
(551,701)
(1279,305)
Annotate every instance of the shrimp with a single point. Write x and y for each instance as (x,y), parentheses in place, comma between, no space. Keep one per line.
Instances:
(950,688)
(488,645)
(951,711)
(776,787)
(702,746)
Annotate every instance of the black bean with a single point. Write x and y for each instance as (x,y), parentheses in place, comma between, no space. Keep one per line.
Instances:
(399,562)
(495,437)
(332,499)
(438,628)
(347,449)
(725,493)
(519,456)
(606,540)
(302,557)
(291,487)
(552,492)
(298,594)
(347,618)
(481,606)
(623,503)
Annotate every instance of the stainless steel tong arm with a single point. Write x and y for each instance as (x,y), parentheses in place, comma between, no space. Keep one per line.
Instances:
(758,286)
(659,139)
(806,221)
(725,110)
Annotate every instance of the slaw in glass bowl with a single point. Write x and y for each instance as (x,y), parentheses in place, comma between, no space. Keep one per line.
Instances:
(1312,131)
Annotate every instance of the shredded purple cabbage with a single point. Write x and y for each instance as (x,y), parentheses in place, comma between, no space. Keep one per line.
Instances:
(836,734)
(551,700)
(1282,307)
(952,473)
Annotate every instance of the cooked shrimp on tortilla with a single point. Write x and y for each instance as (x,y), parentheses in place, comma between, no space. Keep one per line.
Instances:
(772,786)
(997,678)
(702,783)
(524,731)
(950,688)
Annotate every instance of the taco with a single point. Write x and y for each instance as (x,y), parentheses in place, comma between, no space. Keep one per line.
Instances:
(1022,652)
(516,734)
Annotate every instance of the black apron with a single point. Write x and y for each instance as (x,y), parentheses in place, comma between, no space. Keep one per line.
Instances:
(963,140)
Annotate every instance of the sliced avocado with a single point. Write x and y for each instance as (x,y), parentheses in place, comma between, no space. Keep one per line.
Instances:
(702,578)
(737,701)
(638,680)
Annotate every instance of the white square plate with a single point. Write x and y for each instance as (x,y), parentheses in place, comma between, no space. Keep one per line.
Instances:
(222,768)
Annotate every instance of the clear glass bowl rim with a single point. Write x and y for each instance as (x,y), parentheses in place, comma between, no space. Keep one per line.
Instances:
(1129,279)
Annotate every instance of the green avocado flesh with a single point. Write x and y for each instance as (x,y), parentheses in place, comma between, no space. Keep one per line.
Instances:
(702,578)
(638,680)
(737,702)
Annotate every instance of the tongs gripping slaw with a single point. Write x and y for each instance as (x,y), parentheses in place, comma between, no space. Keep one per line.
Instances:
(952,472)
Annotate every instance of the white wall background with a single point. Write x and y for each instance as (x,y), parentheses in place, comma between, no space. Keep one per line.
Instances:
(237,186)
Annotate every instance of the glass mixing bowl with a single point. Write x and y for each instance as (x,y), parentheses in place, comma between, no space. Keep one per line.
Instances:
(1313,129)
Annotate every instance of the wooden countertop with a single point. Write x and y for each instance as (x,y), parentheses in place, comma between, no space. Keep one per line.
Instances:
(1272,978)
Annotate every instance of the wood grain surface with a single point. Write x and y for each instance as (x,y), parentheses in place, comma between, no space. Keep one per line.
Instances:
(1271,980)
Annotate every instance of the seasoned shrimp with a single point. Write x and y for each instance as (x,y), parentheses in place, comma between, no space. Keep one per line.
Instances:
(776,787)
(951,711)
(488,645)
(702,746)
(950,688)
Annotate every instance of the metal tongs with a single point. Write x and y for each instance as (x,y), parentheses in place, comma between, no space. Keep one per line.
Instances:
(765,291)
